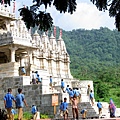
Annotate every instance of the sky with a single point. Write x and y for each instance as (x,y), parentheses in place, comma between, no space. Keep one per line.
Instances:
(86,16)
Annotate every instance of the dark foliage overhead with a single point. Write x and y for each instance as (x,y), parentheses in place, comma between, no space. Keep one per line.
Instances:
(33,16)
(113,6)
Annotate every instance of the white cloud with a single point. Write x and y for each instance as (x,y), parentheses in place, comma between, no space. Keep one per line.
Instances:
(87,16)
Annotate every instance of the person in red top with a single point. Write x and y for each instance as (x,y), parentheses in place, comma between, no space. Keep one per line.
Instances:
(75,107)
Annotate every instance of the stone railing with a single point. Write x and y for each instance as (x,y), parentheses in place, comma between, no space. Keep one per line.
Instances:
(9,38)
(4,11)
(22,41)
(5,39)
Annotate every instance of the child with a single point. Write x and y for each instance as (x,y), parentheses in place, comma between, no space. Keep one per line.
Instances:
(38,78)
(51,82)
(61,109)
(75,107)
(71,95)
(67,89)
(62,85)
(99,105)
(65,106)
(23,71)
(13,112)
(84,113)
(88,92)
(34,112)
(20,101)
(92,97)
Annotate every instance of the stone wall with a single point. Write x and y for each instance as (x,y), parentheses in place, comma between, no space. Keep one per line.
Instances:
(33,94)
(9,69)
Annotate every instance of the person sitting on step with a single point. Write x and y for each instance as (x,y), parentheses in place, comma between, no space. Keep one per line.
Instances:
(84,113)
(34,112)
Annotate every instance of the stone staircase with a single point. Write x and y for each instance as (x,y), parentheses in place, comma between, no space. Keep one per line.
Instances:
(91,113)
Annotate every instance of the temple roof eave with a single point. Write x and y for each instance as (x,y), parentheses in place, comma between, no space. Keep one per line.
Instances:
(54,59)
(6,46)
(10,17)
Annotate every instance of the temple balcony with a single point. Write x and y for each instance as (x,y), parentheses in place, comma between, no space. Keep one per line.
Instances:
(5,13)
(8,38)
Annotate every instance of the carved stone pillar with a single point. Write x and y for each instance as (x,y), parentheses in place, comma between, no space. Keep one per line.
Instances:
(13,49)
(30,56)
(21,60)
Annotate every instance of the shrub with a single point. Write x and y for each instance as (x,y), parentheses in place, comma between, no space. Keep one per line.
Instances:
(3,115)
(43,116)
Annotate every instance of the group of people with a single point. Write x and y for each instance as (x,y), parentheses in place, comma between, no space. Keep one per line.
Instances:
(19,103)
(36,79)
(64,109)
(75,98)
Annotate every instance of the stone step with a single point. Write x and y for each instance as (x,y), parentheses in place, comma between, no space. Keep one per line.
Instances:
(91,113)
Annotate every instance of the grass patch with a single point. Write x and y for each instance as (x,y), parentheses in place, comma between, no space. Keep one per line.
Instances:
(28,116)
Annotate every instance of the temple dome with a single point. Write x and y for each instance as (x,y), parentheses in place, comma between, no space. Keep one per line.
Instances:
(53,42)
(61,45)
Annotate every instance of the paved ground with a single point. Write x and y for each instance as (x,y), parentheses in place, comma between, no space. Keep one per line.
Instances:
(107,119)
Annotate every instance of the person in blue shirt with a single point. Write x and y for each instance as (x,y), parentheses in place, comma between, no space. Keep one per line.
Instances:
(23,71)
(61,108)
(67,89)
(65,108)
(8,98)
(92,97)
(13,112)
(62,85)
(34,112)
(84,113)
(38,77)
(99,105)
(51,82)
(71,95)
(74,91)
(78,95)
(20,101)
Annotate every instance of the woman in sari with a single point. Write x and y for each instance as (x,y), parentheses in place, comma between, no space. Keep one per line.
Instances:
(112,108)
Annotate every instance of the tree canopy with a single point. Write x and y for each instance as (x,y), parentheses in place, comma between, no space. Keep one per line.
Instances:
(33,16)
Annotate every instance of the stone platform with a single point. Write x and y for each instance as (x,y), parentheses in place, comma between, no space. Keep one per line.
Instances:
(84,119)
(108,119)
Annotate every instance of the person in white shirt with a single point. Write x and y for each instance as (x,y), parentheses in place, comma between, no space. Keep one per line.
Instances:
(33,77)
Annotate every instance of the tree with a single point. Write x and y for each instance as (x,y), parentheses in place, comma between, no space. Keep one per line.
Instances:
(113,6)
(32,16)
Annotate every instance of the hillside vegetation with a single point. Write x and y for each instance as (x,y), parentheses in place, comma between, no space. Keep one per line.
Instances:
(95,55)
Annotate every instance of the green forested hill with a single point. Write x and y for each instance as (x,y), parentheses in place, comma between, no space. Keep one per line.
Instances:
(95,55)
(93,49)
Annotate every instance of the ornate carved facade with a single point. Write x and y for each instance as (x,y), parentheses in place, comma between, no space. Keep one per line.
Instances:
(34,52)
